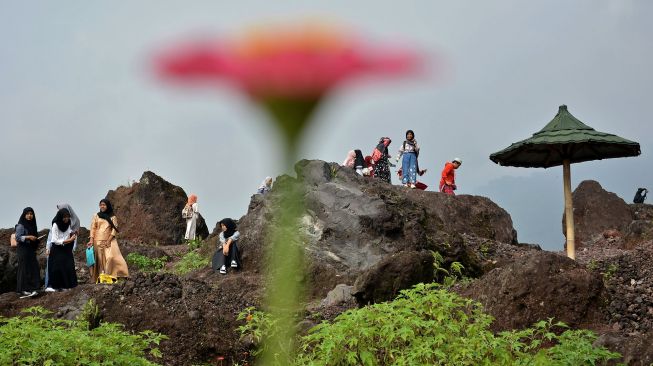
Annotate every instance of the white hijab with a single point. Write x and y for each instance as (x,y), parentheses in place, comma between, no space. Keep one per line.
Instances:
(74,220)
(265,185)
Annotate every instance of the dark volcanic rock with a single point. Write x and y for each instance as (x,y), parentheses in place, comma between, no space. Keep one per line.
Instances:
(149,212)
(8,262)
(394,273)
(352,223)
(539,286)
(636,349)
(597,210)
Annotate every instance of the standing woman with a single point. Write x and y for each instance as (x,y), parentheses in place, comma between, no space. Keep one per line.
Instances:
(108,259)
(61,262)
(409,167)
(190,213)
(28,276)
(380,159)
(227,254)
(74,226)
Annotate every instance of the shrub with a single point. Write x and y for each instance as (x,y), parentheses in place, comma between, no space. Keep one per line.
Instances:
(36,339)
(190,262)
(429,325)
(194,244)
(146,264)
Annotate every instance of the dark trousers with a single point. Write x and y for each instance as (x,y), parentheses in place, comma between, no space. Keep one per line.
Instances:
(219,259)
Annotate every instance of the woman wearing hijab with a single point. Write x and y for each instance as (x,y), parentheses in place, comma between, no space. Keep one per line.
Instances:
(61,262)
(355,160)
(380,159)
(409,166)
(108,259)
(28,276)
(266,186)
(190,213)
(349,160)
(74,226)
(227,254)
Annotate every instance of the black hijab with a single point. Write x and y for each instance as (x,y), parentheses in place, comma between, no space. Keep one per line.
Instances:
(359,160)
(231,227)
(63,226)
(30,226)
(108,214)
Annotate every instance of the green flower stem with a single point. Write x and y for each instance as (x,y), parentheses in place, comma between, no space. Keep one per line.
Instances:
(286,254)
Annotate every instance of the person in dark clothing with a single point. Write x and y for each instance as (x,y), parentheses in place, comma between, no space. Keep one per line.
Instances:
(61,267)
(28,276)
(227,254)
(381,160)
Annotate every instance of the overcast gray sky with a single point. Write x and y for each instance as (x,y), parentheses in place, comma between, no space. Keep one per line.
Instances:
(81,112)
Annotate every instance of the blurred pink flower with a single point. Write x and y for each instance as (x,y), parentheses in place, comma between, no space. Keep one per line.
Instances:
(303,62)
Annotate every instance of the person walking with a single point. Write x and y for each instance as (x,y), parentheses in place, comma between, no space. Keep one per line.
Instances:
(28,276)
(448,180)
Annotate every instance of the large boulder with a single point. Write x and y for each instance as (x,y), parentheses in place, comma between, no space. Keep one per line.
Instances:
(352,223)
(537,286)
(149,212)
(595,211)
(8,262)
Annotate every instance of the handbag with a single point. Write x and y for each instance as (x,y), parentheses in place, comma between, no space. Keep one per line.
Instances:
(187,212)
(90,257)
(12,240)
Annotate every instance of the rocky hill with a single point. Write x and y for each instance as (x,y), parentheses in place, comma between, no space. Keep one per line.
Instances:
(364,241)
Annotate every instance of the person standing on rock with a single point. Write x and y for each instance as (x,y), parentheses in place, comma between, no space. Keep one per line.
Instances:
(108,259)
(227,254)
(29,273)
(448,180)
(75,224)
(190,213)
(265,186)
(409,167)
(61,261)
(381,160)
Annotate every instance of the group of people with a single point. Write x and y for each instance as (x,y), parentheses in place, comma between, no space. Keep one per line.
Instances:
(227,254)
(60,274)
(378,164)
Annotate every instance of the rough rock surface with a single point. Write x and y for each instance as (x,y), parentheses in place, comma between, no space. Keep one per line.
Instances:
(352,223)
(149,212)
(537,286)
(596,210)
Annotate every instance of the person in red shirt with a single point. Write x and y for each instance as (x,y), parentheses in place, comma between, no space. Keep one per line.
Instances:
(448,180)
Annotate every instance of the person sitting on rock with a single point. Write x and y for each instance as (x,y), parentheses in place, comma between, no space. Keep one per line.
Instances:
(266,186)
(410,151)
(109,262)
(448,180)
(190,213)
(355,160)
(29,273)
(61,266)
(227,254)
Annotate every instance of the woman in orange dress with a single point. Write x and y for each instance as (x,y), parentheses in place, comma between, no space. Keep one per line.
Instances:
(108,259)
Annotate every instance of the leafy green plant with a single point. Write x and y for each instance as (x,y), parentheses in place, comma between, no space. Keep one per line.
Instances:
(194,244)
(191,261)
(443,275)
(146,264)
(262,327)
(428,325)
(36,339)
(593,265)
(610,271)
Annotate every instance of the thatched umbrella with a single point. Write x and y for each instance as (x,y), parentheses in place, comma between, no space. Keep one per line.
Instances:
(563,141)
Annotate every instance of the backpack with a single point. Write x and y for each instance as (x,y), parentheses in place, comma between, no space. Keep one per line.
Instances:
(640,195)
(187,212)
(376,155)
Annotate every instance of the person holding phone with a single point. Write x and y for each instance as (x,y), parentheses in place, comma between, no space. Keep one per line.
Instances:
(28,277)
(61,267)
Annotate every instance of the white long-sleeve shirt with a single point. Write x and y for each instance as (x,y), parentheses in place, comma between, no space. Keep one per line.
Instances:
(58,237)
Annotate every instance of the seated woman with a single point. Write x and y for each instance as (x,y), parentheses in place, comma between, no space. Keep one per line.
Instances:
(266,186)
(227,252)
(28,276)
(108,259)
(61,262)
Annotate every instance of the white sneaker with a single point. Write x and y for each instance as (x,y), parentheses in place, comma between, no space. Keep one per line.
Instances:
(50,289)
(234,264)
(29,294)
(412,186)
(223,270)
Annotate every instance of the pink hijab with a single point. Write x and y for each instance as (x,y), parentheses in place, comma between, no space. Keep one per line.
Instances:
(192,199)
(349,162)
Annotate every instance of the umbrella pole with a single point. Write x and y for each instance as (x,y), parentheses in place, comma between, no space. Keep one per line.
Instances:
(569,209)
